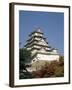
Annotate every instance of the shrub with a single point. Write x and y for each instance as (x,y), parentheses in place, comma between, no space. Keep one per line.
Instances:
(54,69)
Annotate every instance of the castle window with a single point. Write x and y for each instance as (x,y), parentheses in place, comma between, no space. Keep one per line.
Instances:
(33,60)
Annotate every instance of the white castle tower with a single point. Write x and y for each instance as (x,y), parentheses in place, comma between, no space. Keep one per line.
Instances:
(40,48)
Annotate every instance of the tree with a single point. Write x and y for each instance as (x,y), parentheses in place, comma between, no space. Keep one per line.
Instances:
(25,55)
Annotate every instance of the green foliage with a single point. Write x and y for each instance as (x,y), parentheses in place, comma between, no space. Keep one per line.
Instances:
(25,75)
(25,55)
(61,59)
(59,71)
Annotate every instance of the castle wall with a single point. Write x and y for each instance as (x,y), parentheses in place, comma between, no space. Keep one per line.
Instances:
(47,57)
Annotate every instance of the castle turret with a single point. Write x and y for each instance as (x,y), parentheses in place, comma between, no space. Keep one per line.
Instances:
(39,47)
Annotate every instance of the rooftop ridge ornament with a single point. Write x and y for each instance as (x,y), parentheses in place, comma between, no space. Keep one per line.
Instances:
(38,29)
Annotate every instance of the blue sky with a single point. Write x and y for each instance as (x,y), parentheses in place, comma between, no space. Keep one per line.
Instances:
(51,23)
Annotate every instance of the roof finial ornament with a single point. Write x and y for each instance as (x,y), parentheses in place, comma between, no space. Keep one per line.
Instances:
(38,29)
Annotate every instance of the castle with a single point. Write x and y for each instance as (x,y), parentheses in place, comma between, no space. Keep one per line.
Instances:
(40,48)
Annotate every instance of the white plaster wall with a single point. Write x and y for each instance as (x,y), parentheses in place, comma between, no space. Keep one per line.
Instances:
(48,57)
(35,46)
(33,52)
(43,50)
(28,48)
(37,38)
(37,34)
(42,42)
(55,51)
(48,48)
